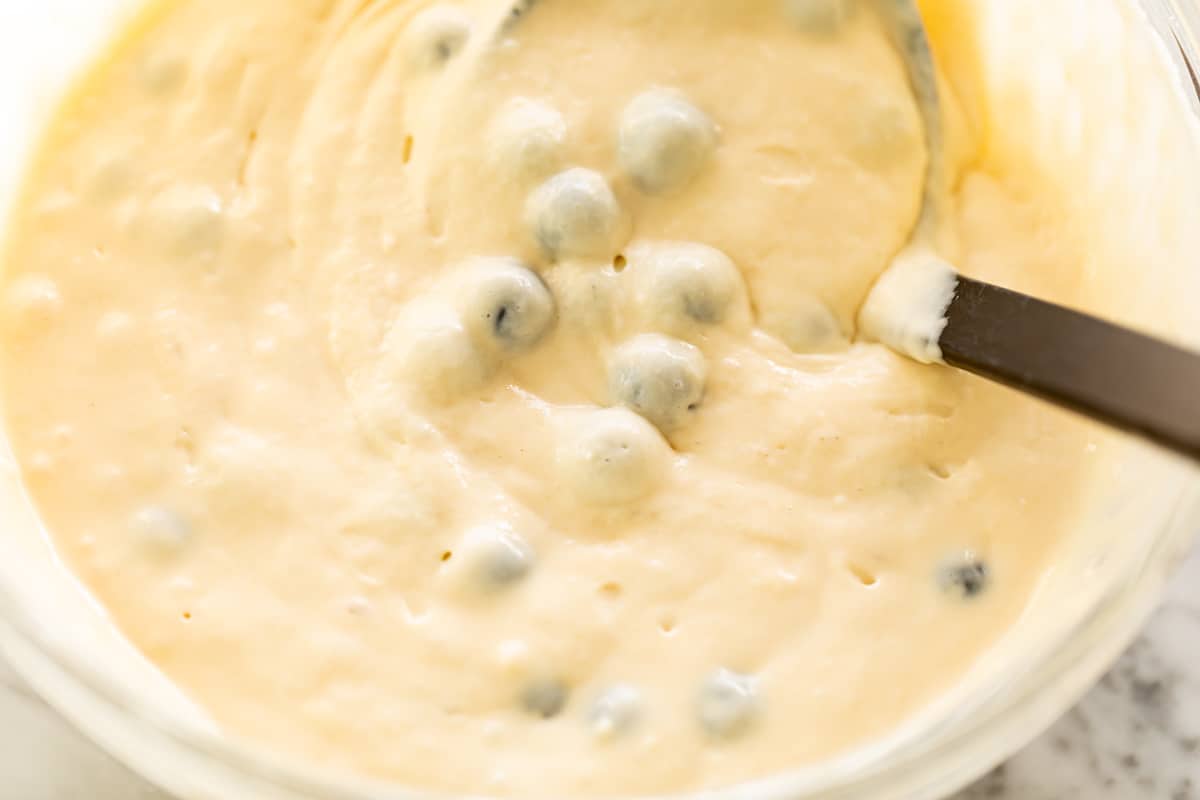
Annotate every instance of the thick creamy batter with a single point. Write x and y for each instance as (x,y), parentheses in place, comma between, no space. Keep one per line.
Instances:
(482,405)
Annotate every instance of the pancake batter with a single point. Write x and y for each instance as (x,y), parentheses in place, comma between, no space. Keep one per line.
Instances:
(481,405)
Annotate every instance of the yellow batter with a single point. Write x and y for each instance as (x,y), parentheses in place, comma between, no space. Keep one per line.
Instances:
(480,405)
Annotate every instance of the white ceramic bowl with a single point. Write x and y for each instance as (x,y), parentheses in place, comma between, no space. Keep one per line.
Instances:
(1101,93)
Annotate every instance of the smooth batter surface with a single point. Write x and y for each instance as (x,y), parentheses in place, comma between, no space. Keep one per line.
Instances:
(481,407)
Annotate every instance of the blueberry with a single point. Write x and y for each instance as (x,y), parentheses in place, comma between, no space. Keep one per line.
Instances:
(611,457)
(431,351)
(616,711)
(162,529)
(658,377)
(506,305)
(967,576)
(575,214)
(519,10)
(728,704)
(664,140)
(527,139)
(492,557)
(806,325)
(545,698)
(436,35)
(822,17)
(676,286)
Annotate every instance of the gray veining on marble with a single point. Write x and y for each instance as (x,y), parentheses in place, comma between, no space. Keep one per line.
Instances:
(1135,737)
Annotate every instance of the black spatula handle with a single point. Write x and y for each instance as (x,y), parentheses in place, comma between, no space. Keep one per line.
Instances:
(1112,374)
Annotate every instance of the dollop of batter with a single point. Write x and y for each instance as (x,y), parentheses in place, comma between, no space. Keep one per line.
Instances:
(479,402)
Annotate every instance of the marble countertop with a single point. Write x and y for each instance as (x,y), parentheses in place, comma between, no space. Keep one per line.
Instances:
(1135,737)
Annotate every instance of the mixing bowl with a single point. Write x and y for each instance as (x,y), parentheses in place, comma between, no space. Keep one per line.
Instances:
(1104,97)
